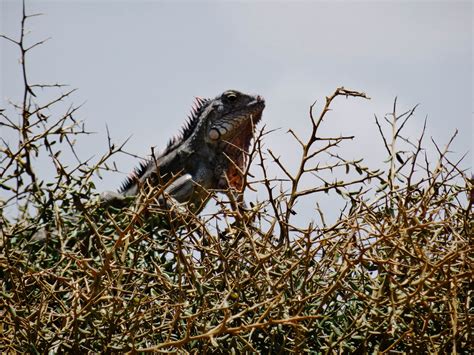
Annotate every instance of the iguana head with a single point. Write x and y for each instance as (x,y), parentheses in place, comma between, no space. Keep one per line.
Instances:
(229,117)
(229,123)
(225,125)
(232,116)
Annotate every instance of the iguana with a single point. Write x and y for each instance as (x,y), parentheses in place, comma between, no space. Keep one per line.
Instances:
(209,154)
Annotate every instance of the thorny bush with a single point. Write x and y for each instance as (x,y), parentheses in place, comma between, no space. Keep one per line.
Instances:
(391,274)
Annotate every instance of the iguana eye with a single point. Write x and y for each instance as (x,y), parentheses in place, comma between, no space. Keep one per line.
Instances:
(231,96)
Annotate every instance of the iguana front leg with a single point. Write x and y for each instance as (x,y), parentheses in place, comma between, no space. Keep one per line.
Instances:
(181,189)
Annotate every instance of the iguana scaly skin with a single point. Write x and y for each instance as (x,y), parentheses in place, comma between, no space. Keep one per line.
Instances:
(209,154)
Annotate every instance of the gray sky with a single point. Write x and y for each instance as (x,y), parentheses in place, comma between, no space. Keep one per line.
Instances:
(138,65)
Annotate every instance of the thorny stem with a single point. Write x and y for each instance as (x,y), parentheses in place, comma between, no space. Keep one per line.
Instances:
(25,126)
(306,156)
(393,146)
